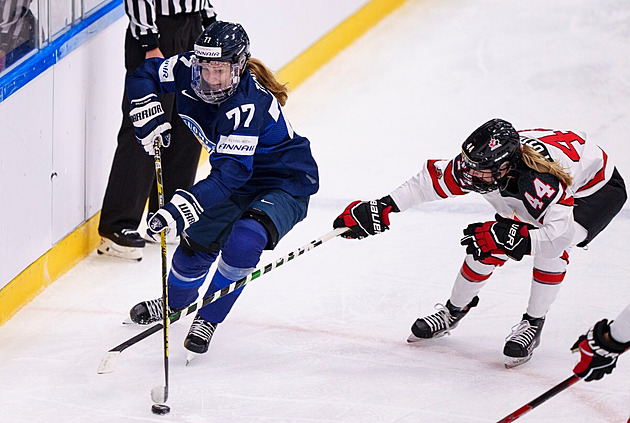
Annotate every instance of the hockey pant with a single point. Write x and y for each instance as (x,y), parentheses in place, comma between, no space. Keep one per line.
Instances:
(239,257)
(594,212)
(545,284)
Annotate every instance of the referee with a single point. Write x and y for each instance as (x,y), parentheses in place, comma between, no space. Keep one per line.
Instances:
(157,28)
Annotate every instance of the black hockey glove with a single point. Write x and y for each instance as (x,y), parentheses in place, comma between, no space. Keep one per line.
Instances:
(366,217)
(503,236)
(598,352)
(149,121)
(178,214)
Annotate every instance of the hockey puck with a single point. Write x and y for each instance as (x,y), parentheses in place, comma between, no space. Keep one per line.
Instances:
(160,409)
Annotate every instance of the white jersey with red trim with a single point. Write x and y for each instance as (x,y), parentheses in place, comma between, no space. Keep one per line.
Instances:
(536,198)
(587,163)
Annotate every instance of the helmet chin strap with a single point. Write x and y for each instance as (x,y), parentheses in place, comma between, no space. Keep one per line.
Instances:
(508,177)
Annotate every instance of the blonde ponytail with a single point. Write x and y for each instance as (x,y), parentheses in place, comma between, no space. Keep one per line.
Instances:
(265,76)
(539,163)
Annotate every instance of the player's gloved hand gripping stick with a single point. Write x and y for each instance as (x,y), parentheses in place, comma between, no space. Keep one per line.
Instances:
(150,122)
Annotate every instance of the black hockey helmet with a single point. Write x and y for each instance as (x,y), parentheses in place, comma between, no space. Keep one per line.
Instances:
(493,148)
(221,53)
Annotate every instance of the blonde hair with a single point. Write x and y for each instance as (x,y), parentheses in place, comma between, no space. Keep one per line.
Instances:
(539,163)
(265,76)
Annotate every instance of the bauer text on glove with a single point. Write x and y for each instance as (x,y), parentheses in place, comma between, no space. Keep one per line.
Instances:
(178,214)
(503,236)
(149,121)
(365,218)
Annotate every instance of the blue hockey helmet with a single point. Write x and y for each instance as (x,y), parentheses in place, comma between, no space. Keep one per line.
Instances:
(221,53)
(489,153)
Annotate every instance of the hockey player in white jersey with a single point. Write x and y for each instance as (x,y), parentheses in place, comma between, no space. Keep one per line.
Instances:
(551,190)
(600,347)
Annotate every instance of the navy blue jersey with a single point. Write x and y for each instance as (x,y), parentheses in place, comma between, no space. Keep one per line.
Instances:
(252,147)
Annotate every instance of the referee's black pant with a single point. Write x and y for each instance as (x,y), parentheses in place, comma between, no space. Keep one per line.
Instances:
(132,176)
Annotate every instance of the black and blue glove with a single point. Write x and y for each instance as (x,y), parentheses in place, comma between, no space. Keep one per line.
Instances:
(149,121)
(182,211)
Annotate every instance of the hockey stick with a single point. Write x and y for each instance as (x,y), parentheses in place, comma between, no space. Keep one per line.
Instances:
(539,400)
(159,394)
(109,360)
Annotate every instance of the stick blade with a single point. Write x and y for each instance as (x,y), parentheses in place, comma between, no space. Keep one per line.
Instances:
(159,394)
(108,363)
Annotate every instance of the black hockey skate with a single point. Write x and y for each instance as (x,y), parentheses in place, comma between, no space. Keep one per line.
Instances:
(147,312)
(525,336)
(126,243)
(199,335)
(439,324)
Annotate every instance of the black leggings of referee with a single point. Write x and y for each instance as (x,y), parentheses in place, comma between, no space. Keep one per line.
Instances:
(132,176)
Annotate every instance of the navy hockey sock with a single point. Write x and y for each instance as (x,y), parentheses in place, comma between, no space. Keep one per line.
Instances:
(187,274)
(239,257)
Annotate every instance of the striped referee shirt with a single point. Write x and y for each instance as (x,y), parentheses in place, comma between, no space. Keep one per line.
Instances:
(142,15)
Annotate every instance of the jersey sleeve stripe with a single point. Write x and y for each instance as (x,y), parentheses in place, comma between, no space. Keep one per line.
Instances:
(450,181)
(599,176)
(548,278)
(566,200)
(434,179)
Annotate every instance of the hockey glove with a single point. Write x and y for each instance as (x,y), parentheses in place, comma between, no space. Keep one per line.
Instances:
(149,121)
(503,236)
(366,217)
(178,214)
(598,352)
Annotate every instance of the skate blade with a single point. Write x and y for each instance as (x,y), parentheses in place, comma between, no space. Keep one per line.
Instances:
(190,357)
(511,362)
(413,338)
(128,321)
(108,247)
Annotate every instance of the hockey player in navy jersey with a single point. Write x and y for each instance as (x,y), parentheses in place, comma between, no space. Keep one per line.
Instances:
(262,175)
(551,190)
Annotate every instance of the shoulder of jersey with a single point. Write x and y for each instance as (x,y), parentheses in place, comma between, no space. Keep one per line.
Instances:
(538,190)
(182,67)
(249,92)
(256,89)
